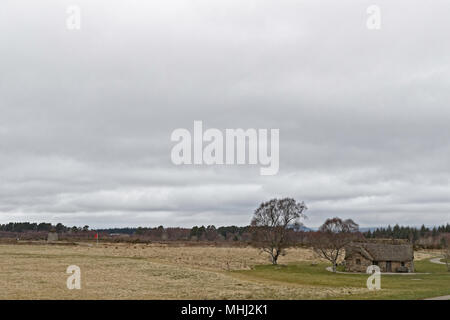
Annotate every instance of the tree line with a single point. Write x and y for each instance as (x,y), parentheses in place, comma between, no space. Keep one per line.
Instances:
(38,227)
(411,233)
(421,237)
(212,232)
(433,238)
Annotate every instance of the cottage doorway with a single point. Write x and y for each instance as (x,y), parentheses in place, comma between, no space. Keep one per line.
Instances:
(388,266)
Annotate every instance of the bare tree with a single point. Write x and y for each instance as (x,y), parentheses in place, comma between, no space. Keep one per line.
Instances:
(272,225)
(332,237)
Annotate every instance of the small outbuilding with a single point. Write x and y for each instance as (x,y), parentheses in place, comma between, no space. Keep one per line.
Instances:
(388,257)
(52,236)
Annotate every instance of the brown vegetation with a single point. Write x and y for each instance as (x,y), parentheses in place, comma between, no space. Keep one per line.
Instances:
(124,271)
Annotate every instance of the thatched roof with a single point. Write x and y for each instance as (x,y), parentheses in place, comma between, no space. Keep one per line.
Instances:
(381,251)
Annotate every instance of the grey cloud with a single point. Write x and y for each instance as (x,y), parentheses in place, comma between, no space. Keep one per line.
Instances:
(86,116)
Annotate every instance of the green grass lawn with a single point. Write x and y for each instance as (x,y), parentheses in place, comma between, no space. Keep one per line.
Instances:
(419,286)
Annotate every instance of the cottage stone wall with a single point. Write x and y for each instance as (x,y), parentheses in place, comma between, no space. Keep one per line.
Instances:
(351,264)
(395,265)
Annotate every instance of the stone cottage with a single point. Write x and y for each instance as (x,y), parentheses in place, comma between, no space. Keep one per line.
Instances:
(389,257)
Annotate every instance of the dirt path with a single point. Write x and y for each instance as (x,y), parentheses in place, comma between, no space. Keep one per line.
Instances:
(383,273)
(437,260)
(439,298)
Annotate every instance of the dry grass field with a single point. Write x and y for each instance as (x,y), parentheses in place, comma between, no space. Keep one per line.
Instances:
(124,271)
(160,271)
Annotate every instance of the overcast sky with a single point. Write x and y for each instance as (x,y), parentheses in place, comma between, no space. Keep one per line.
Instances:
(86,115)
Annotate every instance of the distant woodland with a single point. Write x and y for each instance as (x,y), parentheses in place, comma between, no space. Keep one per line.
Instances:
(423,237)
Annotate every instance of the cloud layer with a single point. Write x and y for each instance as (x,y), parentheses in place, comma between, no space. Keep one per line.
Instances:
(86,116)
